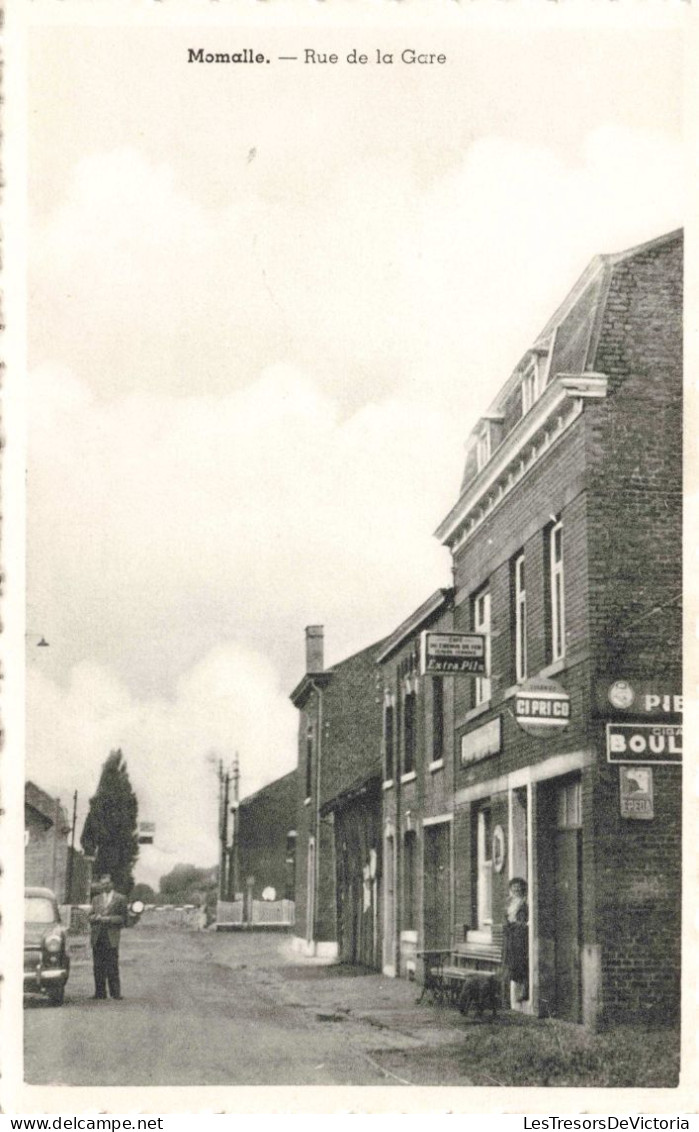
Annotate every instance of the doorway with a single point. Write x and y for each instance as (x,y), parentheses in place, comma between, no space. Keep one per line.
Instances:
(437,886)
(567,896)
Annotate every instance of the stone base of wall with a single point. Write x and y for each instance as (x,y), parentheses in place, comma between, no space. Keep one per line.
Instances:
(316,949)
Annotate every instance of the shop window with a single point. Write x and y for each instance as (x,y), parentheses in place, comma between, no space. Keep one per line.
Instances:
(484,857)
(388,740)
(409,737)
(519,601)
(437,719)
(556,591)
(481,624)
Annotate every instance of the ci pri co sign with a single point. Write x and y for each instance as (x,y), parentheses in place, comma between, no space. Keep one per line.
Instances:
(542,707)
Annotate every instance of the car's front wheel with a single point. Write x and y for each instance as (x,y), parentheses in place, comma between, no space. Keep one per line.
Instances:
(56,995)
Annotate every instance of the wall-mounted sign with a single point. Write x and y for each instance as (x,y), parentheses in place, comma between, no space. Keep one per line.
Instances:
(482,742)
(498,848)
(452,654)
(146,832)
(636,792)
(631,697)
(542,707)
(644,742)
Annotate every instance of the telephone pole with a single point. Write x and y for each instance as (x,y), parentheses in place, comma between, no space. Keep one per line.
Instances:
(71,855)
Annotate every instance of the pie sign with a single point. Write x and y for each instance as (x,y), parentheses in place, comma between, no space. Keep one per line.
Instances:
(542,707)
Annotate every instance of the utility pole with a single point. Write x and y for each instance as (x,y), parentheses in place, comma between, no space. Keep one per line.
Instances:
(71,855)
(233,878)
(224,780)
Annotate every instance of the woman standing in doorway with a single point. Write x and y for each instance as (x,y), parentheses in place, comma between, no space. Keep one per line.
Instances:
(516,941)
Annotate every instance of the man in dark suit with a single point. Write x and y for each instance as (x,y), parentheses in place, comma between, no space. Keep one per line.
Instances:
(107,918)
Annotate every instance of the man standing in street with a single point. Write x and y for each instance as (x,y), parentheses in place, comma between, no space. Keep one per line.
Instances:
(107,918)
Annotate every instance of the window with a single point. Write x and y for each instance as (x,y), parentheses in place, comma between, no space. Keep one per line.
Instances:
(481,624)
(484,889)
(409,881)
(409,733)
(556,591)
(530,387)
(520,619)
(437,719)
(569,805)
(309,761)
(483,448)
(388,741)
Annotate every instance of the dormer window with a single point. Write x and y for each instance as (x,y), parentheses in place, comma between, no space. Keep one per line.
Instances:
(530,386)
(483,447)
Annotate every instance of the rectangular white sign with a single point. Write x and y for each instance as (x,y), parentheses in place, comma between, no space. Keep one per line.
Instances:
(452,654)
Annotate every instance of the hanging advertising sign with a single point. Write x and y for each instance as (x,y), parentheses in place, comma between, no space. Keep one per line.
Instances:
(630,697)
(636,792)
(644,743)
(146,832)
(542,707)
(452,654)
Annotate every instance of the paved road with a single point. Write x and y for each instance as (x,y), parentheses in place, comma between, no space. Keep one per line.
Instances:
(199,1009)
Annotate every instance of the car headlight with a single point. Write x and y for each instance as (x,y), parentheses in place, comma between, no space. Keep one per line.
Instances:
(53,944)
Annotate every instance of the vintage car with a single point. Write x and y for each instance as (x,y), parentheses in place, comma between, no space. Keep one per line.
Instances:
(46,958)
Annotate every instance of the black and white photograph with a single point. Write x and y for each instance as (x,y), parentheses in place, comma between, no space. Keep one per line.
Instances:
(353,587)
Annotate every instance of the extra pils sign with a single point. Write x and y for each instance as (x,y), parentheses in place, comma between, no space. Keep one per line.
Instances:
(452,654)
(636,792)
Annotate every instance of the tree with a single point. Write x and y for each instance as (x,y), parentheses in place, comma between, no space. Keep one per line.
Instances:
(143,892)
(110,832)
(188,884)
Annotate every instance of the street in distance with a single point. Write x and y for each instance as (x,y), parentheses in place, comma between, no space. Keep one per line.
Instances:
(311,55)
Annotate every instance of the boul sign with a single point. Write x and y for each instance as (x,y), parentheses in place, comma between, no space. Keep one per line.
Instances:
(644,742)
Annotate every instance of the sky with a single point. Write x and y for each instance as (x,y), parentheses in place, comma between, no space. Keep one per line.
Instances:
(266,308)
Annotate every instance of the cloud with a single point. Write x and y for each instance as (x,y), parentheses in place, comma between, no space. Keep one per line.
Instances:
(230,701)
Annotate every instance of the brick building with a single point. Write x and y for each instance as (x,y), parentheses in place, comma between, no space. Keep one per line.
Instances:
(566,542)
(265,836)
(339,762)
(418,791)
(46,831)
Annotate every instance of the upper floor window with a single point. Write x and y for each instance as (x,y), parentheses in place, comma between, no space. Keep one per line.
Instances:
(520,618)
(483,449)
(409,736)
(556,590)
(531,387)
(388,739)
(309,760)
(437,718)
(481,624)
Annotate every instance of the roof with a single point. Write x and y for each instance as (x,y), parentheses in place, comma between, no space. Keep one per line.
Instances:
(597,271)
(46,806)
(564,354)
(440,599)
(368,786)
(311,680)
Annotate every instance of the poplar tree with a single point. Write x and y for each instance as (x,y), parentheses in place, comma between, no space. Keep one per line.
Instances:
(110,833)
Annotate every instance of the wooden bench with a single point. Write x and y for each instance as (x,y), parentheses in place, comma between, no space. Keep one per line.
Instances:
(467,974)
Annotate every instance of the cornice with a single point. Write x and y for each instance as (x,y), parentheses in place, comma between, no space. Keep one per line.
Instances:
(553,413)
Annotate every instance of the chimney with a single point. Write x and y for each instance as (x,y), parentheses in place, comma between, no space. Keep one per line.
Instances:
(314,648)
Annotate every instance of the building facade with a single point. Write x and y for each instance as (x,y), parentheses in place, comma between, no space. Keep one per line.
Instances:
(418,791)
(46,849)
(566,545)
(339,755)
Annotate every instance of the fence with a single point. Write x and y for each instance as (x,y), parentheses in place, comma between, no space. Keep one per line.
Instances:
(265,913)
